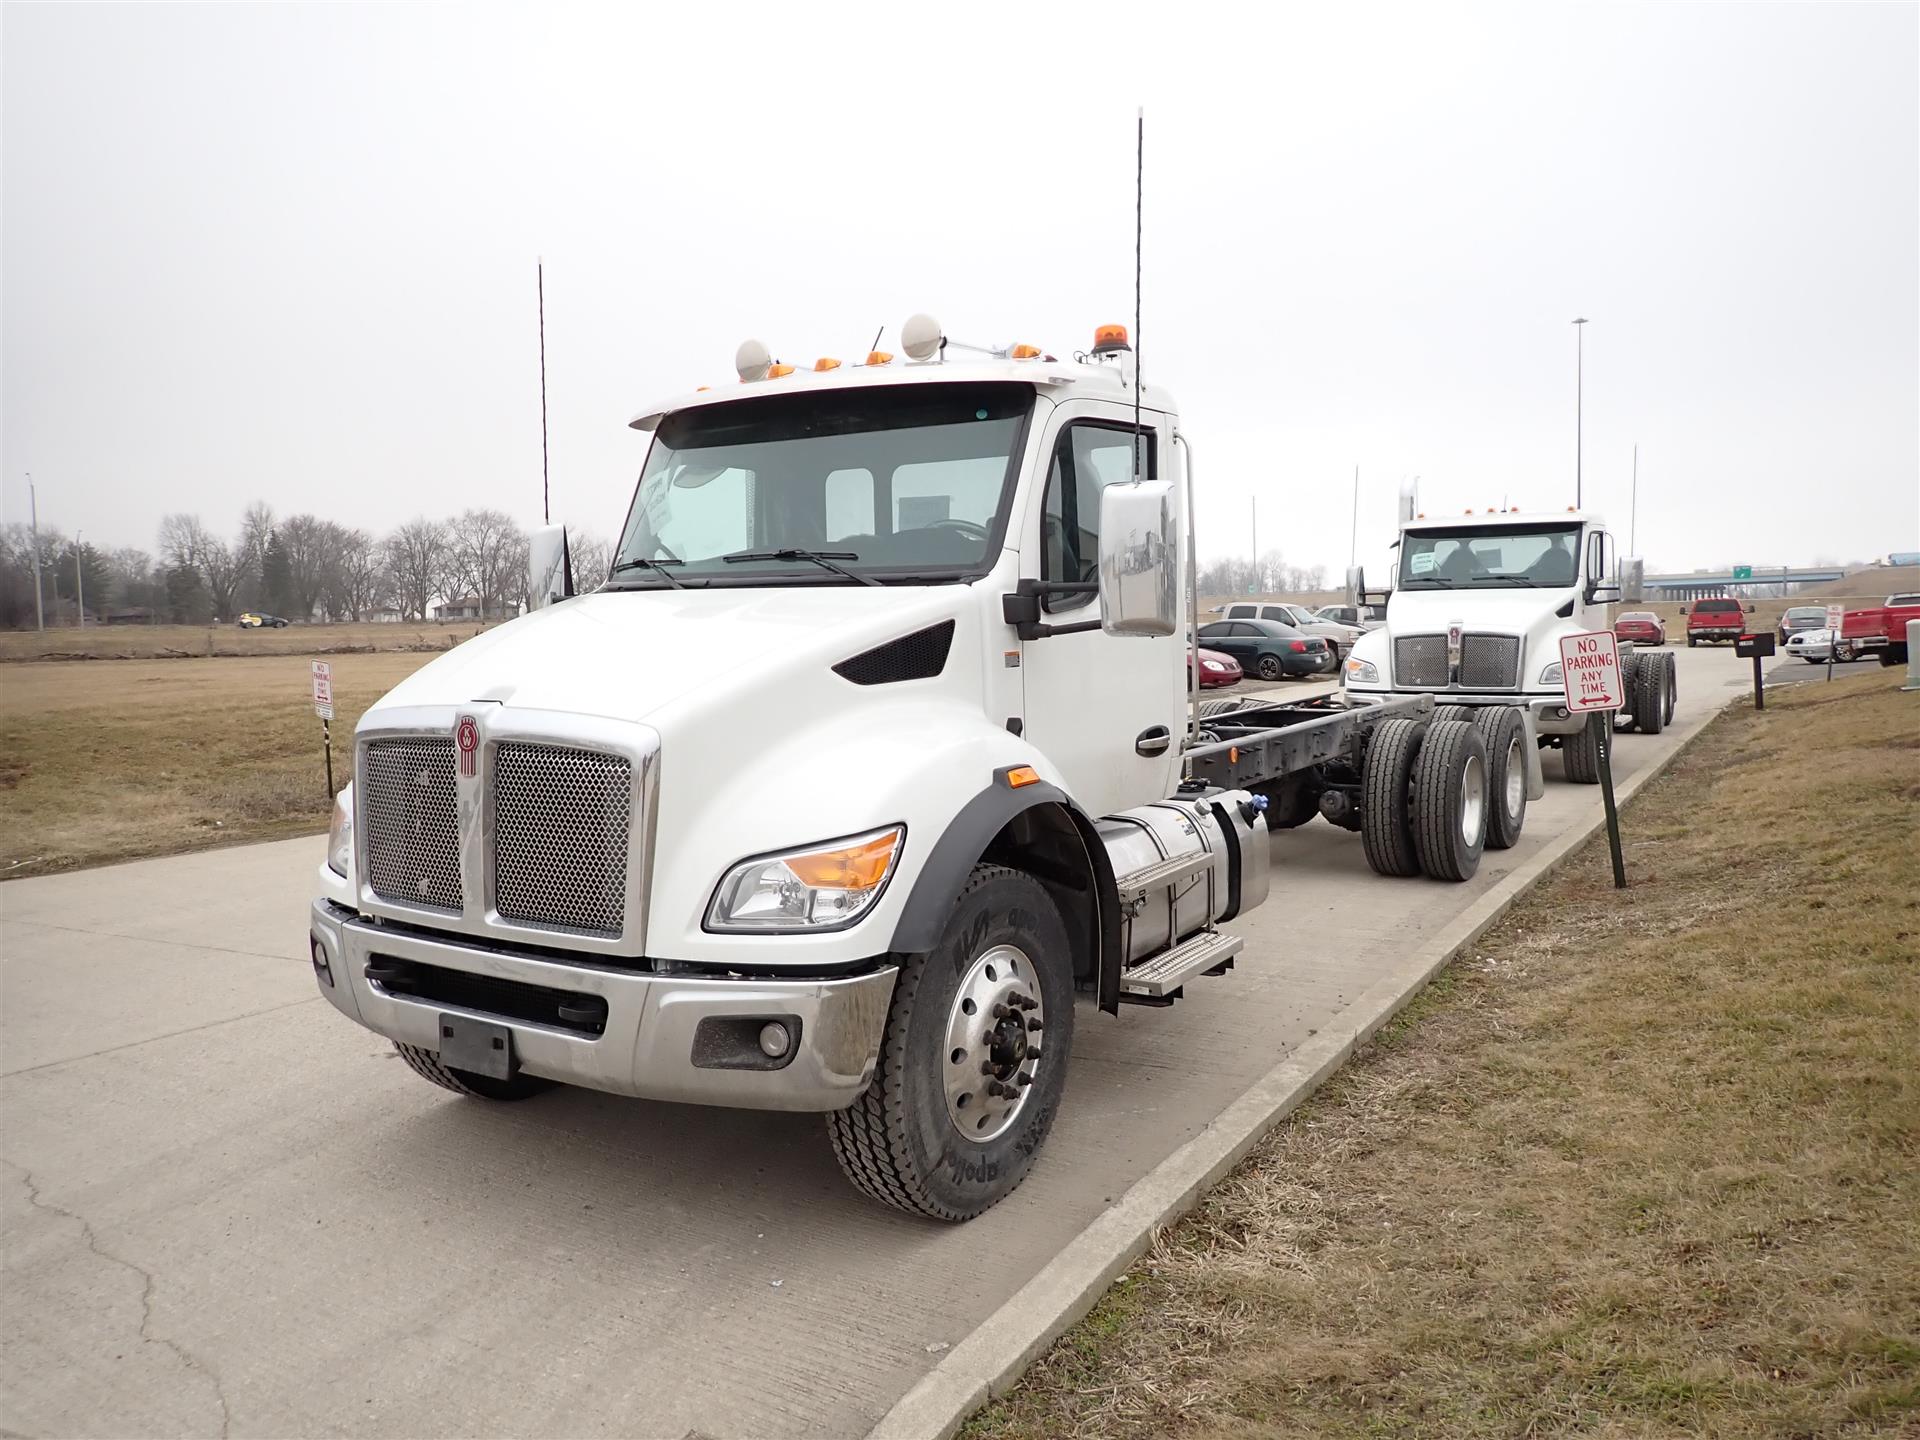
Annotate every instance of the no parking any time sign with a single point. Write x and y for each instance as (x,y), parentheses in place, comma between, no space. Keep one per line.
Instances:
(1590,671)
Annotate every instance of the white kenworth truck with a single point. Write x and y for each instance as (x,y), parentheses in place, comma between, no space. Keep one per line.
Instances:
(875,750)
(1479,605)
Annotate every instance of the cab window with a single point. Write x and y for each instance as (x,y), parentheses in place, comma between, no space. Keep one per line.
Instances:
(1088,457)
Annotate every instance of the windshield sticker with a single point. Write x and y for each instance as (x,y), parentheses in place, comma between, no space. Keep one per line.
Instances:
(1420,562)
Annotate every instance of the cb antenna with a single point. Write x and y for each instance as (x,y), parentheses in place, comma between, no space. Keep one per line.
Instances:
(546,493)
(1139,182)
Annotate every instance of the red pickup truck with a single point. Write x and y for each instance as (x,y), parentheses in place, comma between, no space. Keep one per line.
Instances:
(1881,630)
(1719,617)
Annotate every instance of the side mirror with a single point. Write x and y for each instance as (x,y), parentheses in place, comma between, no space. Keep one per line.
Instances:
(1749,607)
(1139,559)
(1683,609)
(549,567)
(1603,592)
(1356,585)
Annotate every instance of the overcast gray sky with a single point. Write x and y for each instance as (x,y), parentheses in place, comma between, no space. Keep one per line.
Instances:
(287,252)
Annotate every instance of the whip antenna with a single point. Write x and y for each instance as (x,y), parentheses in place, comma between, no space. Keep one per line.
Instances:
(546,494)
(1139,178)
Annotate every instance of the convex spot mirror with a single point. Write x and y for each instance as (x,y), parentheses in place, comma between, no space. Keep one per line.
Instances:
(1139,559)
(549,567)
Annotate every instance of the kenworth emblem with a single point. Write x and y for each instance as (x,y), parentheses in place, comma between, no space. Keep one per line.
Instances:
(466,739)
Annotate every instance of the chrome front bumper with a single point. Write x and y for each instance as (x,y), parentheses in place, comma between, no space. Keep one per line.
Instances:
(646,1047)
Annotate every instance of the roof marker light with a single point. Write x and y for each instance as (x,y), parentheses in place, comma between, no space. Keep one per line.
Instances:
(775,372)
(879,357)
(698,389)
(825,363)
(1024,352)
(751,361)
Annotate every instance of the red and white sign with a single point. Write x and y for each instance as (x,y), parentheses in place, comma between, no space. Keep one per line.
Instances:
(1590,671)
(323,689)
(1836,619)
(466,737)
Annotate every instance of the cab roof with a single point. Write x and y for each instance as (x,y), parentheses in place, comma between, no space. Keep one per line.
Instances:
(1057,378)
(1495,519)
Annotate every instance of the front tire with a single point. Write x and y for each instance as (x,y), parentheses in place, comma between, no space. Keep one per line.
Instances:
(1450,801)
(426,1063)
(1386,788)
(991,1002)
(1673,687)
(1690,642)
(1580,752)
(1505,735)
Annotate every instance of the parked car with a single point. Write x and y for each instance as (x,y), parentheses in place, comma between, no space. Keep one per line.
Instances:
(1812,646)
(1801,617)
(1361,617)
(252,620)
(1217,668)
(1339,636)
(1269,649)
(1718,617)
(1643,627)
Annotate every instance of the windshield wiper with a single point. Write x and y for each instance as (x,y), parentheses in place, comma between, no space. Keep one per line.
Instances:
(656,565)
(823,558)
(1514,580)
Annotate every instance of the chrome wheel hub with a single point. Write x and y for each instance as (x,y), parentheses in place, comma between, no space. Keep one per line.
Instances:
(1473,799)
(993,1052)
(1516,770)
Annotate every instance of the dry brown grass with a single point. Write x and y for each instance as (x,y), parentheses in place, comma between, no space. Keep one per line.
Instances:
(126,758)
(1628,1169)
(174,642)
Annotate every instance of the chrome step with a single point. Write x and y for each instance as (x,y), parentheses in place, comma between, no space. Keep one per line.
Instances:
(1163,872)
(1159,975)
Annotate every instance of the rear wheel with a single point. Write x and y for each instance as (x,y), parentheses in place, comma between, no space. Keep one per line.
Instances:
(1268,667)
(1386,781)
(1629,681)
(1580,752)
(1690,642)
(1505,735)
(1649,693)
(426,1063)
(1291,803)
(1673,686)
(974,1059)
(1450,801)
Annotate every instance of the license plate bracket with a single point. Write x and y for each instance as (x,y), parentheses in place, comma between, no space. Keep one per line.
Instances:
(477,1047)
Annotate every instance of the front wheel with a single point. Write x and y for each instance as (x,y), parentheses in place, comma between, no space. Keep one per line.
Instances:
(974,1059)
(1690,642)
(1580,752)
(1450,801)
(1504,733)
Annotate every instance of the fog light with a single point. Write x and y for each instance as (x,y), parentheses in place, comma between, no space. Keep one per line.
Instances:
(774,1040)
(320,965)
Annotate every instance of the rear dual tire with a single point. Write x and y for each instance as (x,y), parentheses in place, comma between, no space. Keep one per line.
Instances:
(1580,751)
(1424,799)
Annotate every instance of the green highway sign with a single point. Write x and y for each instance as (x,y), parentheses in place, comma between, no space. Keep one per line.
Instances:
(1743,572)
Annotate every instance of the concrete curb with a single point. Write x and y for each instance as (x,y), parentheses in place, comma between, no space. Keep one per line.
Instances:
(1002,1346)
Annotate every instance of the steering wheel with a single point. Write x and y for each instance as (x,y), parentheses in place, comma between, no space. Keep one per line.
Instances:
(971,529)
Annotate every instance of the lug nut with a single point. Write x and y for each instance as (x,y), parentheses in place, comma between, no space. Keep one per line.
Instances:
(1033,1027)
(1023,1080)
(1001,1012)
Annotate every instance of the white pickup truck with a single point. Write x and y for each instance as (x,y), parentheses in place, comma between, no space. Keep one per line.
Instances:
(1479,605)
(874,751)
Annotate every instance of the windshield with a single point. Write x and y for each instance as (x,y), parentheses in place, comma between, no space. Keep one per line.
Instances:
(899,483)
(1461,559)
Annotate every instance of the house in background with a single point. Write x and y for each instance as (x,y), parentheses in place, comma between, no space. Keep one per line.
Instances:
(461,607)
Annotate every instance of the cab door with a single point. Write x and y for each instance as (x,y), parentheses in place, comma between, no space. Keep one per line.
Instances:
(1106,710)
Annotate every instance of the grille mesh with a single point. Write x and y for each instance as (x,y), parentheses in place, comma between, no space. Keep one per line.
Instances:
(919,656)
(413,827)
(1490,662)
(560,822)
(1420,660)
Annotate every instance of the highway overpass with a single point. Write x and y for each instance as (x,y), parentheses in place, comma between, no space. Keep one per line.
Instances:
(1737,580)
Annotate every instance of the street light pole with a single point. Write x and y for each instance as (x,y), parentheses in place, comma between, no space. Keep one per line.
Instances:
(1633,505)
(1579,404)
(33,503)
(79,583)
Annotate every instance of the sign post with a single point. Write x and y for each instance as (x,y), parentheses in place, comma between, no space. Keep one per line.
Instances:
(1756,646)
(323,707)
(1836,622)
(1590,676)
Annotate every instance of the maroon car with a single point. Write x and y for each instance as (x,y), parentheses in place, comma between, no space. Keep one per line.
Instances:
(1643,627)
(1216,670)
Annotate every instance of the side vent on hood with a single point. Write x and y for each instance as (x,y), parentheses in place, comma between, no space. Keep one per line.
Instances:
(919,656)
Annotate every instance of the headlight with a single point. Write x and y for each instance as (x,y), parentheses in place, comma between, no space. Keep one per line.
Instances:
(1213,665)
(340,834)
(1364,672)
(1551,675)
(823,887)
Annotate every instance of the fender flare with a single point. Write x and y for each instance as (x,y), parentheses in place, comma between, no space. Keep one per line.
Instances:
(923,919)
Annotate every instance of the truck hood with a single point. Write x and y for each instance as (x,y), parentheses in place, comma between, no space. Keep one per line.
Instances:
(628,654)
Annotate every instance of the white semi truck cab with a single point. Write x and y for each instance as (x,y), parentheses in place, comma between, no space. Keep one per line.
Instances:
(1478,607)
(873,753)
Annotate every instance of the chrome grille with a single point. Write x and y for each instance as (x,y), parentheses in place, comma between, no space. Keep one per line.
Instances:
(412,822)
(560,823)
(1420,660)
(1490,662)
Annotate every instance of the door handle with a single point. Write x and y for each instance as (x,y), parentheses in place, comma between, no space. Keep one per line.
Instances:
(1152,741)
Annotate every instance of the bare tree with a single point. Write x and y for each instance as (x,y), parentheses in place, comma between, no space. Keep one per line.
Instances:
(418,559)
(222,568)
(592,556)
(490,560)
(187,545)
(359,575)
(182,538)
(311,547)
(256,533)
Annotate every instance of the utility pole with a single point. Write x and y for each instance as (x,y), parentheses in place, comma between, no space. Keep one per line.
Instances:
(79,583)
(33,503)
(1353,541)
(1253,528)
(1633,505)
(1579,403)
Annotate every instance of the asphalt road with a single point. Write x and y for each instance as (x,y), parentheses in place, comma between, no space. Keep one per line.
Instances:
(229,1211)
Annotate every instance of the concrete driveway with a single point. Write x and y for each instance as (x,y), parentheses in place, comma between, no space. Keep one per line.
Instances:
(229,1211)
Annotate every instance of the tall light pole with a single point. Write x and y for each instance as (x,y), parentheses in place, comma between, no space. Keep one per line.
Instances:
(79,583)
(33,503)
(1633,505)
(1579,400)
